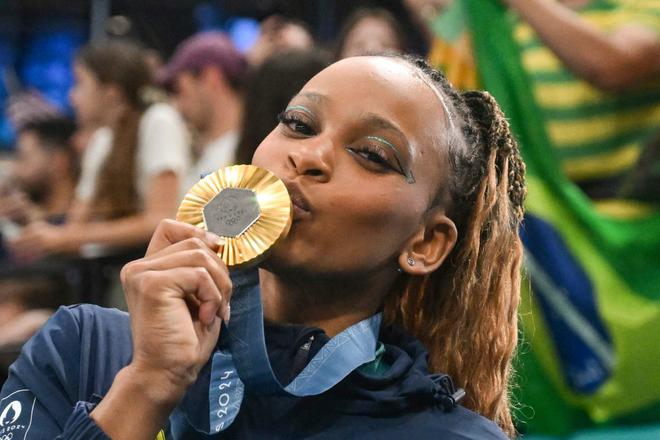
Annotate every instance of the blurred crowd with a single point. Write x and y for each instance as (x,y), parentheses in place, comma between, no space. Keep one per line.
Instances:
(81,194)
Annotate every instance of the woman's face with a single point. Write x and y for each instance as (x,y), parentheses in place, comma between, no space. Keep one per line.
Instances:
(87,97)
(361,151)
(369,36)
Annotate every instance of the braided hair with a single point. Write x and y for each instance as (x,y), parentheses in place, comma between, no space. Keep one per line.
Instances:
(466,311)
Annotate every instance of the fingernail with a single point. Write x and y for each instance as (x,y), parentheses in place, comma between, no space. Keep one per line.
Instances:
(227,314)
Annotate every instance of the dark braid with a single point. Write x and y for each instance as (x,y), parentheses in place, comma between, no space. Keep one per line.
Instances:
(466,311)
(495,133)
(476,114)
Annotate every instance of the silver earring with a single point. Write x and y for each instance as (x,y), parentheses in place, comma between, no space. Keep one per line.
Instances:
(411,261)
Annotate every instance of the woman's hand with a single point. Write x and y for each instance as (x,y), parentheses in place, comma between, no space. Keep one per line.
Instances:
(17,207)
(40,239)
(176,295)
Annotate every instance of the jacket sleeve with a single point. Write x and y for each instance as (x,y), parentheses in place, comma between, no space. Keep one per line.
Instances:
(39,399)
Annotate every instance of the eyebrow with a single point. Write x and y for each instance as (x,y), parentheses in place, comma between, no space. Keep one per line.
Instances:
(384,124)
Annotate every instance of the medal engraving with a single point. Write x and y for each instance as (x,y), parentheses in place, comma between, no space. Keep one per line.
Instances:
(231,212)
(246,205)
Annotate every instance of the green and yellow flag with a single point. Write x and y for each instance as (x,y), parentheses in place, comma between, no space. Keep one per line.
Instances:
(590,354)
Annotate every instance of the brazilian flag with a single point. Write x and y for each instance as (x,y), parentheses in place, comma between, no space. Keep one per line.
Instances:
(589,359)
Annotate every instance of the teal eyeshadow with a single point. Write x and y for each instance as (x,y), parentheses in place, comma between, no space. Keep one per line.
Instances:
(408,173)
(299,107)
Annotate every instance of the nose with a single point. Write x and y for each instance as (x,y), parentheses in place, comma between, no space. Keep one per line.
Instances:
(313,159)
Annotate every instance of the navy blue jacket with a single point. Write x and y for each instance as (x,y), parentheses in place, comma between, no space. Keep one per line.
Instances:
(70,364)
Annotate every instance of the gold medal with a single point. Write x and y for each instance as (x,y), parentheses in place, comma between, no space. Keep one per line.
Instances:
(247,205)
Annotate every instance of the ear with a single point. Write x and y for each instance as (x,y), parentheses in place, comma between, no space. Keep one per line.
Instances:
(428,248)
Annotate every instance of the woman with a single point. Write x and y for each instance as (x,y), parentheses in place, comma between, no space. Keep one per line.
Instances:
(407,199)
(370,31)
(132,165)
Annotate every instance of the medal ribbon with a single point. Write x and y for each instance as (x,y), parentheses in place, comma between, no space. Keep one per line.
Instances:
(246,363)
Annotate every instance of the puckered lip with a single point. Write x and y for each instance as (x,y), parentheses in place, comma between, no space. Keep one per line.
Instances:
(301,206)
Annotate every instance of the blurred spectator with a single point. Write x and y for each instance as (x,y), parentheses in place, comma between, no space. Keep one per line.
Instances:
(614,56)
(422,14)
(269,89)
(26,301)
(602,265)
(44,173)
(594,65)
(426,10)
(28,106)
(278,34)
(206,75)
(370,31)
(132,166)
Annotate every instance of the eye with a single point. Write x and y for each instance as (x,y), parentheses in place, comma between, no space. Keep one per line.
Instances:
(296,123)
(374,158)
(378,155)
(372,154)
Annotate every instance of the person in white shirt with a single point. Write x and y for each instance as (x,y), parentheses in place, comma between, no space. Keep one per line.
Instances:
(133,165)
(206,75)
